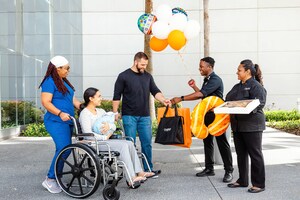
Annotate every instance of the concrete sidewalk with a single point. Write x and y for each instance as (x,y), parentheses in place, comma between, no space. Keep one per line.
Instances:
(24,164)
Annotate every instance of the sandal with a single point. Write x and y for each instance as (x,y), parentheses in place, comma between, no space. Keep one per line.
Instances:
(255,189)
(148,175)
(135,184)
(140,178)
(235,185)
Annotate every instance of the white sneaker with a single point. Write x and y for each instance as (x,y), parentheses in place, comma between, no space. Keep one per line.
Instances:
(51,185)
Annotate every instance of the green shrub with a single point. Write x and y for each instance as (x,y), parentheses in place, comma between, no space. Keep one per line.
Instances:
(107,105)
(154,127)
(282,115)
(287,126)
(35,130)
(158,104)
(20,112)
(288,121)
(39,130)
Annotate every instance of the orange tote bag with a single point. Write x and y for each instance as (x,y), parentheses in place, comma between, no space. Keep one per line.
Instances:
(185,113)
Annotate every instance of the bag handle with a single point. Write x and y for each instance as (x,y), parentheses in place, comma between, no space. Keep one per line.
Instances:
(167,108)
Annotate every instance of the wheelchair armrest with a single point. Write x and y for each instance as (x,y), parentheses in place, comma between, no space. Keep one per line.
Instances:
(118,136)
(85,134)
(129,138)
(82,135)
(106,153)
(115,136)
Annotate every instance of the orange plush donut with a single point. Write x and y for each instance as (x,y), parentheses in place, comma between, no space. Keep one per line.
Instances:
(217,127)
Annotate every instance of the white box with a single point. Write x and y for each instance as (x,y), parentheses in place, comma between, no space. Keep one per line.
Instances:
(237,107)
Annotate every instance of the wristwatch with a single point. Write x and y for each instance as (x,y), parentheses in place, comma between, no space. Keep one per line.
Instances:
(182,98)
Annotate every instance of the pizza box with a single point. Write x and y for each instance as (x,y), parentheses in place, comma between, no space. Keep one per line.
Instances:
(237,107)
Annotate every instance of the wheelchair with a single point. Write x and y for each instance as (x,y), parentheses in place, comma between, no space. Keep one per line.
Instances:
(83,165)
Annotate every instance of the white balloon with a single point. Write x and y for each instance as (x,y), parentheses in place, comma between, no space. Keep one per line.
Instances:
(163,13)
(161,29)
(192,29)
(178,22)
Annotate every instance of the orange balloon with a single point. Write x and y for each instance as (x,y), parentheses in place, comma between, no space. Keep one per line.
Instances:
(158,44)
(176,39)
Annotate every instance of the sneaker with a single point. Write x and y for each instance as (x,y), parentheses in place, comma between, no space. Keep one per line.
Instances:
(51,185)
(227,177)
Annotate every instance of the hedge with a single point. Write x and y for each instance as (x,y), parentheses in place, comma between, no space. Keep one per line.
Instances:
(15,113)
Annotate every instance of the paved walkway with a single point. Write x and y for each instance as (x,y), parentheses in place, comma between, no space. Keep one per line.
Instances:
(24,163)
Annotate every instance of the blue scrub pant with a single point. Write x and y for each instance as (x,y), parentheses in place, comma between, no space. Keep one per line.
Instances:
(142,126)
(61,134)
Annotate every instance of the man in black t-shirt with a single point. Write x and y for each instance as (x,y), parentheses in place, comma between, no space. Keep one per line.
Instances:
(134,86)
(212,86)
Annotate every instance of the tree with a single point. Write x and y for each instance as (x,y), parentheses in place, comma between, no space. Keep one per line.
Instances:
(206,27)
(147,50)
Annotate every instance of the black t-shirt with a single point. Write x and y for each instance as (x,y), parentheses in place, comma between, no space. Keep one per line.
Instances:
(212,86)
(135,89)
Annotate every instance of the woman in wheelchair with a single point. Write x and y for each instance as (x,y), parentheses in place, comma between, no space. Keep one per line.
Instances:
(128,154)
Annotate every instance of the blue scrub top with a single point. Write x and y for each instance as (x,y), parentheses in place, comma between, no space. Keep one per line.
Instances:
(63,102)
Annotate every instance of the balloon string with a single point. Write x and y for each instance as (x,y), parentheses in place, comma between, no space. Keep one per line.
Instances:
(184,65)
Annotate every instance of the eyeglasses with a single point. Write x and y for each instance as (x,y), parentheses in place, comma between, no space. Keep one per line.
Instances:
(65,68)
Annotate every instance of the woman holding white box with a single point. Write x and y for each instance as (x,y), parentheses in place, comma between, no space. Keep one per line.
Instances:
(248,128)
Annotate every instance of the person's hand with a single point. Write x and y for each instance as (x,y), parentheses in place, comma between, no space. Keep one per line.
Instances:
(192,83)
(117,116)
(167,102)
(175,100)
(64,116)
(104,127)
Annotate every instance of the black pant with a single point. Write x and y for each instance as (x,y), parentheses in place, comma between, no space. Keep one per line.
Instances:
(250,143)
(224,149)
(223,145)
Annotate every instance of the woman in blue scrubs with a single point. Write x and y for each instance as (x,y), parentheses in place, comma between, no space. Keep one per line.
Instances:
(58,98)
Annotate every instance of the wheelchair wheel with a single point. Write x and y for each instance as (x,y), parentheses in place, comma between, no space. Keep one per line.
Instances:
(111,193)
(77,170)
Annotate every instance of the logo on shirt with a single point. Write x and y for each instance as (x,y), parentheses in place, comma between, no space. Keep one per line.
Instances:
(167,129)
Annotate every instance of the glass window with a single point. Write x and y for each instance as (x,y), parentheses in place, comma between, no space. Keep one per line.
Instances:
(31,33)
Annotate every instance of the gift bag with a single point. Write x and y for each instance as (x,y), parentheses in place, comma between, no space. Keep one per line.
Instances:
(170,129)
(185,114)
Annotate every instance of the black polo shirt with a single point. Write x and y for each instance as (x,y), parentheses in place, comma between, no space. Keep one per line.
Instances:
(212,86)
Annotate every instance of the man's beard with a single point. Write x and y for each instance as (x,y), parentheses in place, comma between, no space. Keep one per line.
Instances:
(141,71)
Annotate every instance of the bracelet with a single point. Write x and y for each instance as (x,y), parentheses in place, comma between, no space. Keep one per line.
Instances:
(182,98)
(59,113)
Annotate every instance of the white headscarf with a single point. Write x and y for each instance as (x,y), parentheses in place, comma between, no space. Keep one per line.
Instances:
(59,61)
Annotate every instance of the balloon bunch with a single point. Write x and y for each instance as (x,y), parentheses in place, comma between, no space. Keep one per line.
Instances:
(168,27)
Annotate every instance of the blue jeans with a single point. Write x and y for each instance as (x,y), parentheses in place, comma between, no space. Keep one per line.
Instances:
(61,134)
(142,126)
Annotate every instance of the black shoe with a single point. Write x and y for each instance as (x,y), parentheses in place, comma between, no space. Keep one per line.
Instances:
(227,177)
(156,172)
(206,172)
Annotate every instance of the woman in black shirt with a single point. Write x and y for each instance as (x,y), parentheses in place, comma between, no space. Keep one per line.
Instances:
(248,128)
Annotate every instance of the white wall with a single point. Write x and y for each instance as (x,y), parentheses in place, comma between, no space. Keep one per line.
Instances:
(265,31)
